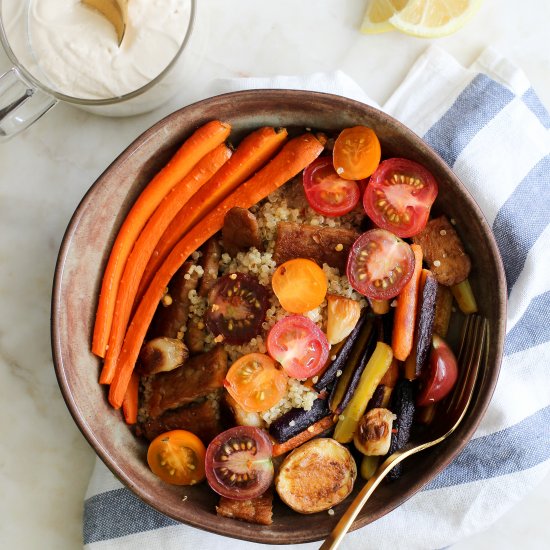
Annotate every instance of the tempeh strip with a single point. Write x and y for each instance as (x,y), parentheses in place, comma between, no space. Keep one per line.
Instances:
(131,398)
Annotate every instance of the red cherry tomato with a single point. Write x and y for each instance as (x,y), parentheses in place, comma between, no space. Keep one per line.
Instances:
(299,345)
(399,196)
(326,192)
(441,375)
(238,463)
(379,264)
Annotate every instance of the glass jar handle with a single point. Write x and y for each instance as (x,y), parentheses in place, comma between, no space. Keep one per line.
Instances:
(21,104)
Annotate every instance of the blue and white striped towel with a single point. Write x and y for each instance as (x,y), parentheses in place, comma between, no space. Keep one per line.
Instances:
(491,128)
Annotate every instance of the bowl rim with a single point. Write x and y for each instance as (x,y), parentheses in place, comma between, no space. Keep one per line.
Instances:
(56,301)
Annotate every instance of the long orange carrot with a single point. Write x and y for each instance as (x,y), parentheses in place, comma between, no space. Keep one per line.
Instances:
(405,312)
(294,157)
(130,402)
(148,239)
(251,154)
(199,144)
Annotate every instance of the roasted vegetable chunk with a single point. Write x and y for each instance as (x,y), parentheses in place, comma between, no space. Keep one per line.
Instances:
(202,419)
(161,355)
(443,252)
(316,476)
(198,377)
(330,245)
(373,434)
(210,263)
(255,510)
(171,315)
(240,231)
(403,407)
(443,310)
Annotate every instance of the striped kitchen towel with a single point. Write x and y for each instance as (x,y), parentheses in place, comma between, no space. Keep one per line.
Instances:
(488,124)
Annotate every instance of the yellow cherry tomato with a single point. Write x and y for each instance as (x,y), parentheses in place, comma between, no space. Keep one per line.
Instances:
(177,457)
(300,285)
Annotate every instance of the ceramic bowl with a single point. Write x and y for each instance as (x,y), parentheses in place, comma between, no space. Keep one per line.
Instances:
(85,250)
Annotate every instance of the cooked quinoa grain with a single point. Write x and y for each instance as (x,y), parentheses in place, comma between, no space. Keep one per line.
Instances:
(262,265)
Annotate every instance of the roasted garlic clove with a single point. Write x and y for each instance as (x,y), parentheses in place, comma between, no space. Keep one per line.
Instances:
(373,434)
(162,355)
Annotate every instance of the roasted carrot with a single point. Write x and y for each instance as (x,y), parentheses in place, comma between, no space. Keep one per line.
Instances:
(315,429)
(379,307)
(294,157)
(145,244)
(199,144)
(251,154)
(130,402)
(405,311)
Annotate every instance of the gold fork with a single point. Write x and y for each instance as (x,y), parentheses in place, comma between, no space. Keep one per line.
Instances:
(473,341)
(116,11)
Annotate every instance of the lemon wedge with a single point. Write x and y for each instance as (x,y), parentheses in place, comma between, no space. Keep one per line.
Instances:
(376,19)
(433,18)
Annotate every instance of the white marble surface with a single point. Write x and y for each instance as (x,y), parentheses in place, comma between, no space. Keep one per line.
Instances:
(44,460)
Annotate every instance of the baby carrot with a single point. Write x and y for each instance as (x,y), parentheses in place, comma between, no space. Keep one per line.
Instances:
(148,239)
(251,154)
(130,401)
(405,312)
(199,144)
(294,157)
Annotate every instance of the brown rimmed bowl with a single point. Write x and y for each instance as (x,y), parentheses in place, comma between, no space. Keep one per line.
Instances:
(85,250)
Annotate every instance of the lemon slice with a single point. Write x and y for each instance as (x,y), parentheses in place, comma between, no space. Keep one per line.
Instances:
(376,19)
(434,18)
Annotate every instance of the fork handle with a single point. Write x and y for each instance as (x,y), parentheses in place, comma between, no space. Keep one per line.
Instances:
(342,527)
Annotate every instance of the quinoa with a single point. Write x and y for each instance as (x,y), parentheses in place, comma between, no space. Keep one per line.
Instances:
(298,396)
(268,213)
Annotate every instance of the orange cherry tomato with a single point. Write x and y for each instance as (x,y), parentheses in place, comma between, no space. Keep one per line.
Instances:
(177,457)
(300,285)
(255,382)
(356,153)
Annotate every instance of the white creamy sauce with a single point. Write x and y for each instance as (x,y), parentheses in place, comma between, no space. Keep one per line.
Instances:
(75,48)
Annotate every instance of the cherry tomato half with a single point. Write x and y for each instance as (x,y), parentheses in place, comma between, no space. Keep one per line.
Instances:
(237,304)
(380,264)
(356,153)
(300,285)
(299,345)
(255,382)
(177,457)
(399,196)
(328,193)
(441,374)
(238,463)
